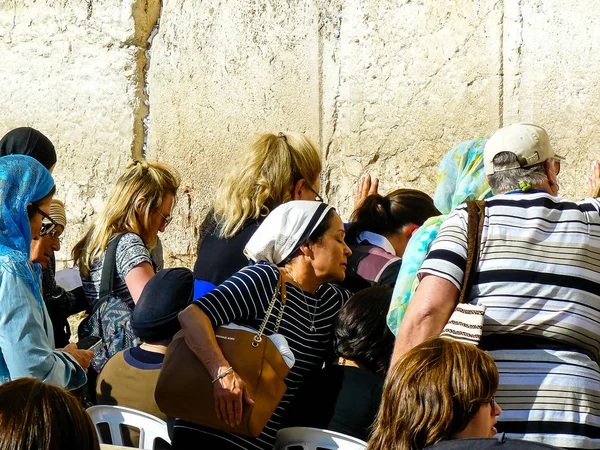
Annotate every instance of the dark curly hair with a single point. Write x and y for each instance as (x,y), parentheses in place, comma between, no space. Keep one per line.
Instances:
(361,333)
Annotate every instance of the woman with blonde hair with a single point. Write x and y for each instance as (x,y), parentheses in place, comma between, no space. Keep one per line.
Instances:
(277,168)
(138,207)
(440,390)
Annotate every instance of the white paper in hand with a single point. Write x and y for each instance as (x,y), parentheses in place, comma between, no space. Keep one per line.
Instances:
(68,279)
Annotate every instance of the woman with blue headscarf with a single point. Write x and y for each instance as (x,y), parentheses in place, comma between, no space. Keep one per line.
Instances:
(26,337)
(461,177)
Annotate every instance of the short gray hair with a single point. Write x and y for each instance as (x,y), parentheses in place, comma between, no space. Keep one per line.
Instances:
(508,180)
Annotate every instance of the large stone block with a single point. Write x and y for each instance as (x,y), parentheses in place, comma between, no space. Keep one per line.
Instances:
(220,74)
(412,79)
(75,71)
(551,57)
(381,86)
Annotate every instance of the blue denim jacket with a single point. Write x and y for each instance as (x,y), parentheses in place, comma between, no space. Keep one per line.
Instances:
(27,340)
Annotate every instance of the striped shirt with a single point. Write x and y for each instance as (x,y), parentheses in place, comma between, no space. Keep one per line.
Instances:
(243,299)
(538,275)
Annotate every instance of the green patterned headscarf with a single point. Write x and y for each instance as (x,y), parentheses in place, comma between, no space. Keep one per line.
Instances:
(461,177)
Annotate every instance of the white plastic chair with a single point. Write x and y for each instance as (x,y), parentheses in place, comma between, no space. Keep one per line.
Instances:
(151,427)
(302,438)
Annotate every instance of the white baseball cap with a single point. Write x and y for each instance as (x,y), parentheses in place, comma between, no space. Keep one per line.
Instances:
(529,142)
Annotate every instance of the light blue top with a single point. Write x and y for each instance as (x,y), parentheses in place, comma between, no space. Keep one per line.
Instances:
(26,337)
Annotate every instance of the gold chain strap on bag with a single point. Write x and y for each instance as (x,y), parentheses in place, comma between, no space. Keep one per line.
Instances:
(185,390)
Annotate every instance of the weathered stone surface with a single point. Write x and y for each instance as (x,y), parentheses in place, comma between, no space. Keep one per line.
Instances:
(75,72)
(381,86)
(415,78)
(220,74)
(551,58)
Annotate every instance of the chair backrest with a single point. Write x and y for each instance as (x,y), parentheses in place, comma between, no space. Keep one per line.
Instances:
(151,428)
(301,438)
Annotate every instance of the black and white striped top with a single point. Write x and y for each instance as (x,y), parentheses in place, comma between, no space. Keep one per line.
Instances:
(539,267)
(539,276)
(243,299)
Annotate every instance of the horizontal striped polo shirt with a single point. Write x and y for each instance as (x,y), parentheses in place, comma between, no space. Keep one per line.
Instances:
(539,276)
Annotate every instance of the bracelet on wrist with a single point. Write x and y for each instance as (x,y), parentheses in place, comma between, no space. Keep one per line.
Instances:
(222,374)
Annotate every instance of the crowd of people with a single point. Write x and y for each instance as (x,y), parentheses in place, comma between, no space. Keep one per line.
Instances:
(364,303)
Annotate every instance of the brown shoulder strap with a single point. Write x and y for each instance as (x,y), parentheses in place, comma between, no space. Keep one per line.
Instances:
(476,218)
(281,285)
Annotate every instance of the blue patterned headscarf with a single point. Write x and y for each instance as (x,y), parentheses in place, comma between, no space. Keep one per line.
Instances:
(22,180)
(461,177)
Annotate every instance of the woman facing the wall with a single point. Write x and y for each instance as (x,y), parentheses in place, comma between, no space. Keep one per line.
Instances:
(277,168)
(137,209)
(302,244)
(379,233)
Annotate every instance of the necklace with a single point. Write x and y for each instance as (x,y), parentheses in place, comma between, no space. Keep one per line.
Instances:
(314,313)
(347,362)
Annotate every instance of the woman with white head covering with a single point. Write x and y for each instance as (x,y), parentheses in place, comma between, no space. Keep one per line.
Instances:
(306,240)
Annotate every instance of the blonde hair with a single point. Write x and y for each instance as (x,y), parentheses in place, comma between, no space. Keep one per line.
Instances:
(143,180)
(432,394)
(264,178)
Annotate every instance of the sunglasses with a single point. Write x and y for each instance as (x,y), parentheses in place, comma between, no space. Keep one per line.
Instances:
(318,198)
(47,228)
(167,219)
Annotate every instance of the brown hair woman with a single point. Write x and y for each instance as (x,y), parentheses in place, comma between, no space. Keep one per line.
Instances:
(440,390)
(35,415)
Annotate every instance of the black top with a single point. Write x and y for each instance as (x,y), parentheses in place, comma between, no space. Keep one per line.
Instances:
(60,304)
(340,398)
(218,258)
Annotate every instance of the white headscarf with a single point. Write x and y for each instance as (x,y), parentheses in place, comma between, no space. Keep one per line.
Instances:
(284,230)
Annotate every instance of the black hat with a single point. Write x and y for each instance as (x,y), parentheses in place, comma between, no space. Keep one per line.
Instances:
(30,142)
(165,295)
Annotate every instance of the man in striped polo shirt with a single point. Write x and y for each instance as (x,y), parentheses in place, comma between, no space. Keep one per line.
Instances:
(539,277)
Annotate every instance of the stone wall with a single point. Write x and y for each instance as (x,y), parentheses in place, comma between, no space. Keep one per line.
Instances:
(381,85)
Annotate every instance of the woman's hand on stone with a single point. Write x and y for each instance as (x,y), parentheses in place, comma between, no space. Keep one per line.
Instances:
(230,395)
(594,180)
(366,186)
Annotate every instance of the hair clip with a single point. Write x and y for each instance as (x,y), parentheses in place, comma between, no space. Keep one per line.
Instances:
(281,135)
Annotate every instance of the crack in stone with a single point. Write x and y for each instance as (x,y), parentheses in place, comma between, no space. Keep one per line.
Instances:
(501,71)
(518,75)
(326,175)
(148,56)
(146,16)
(336,99)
